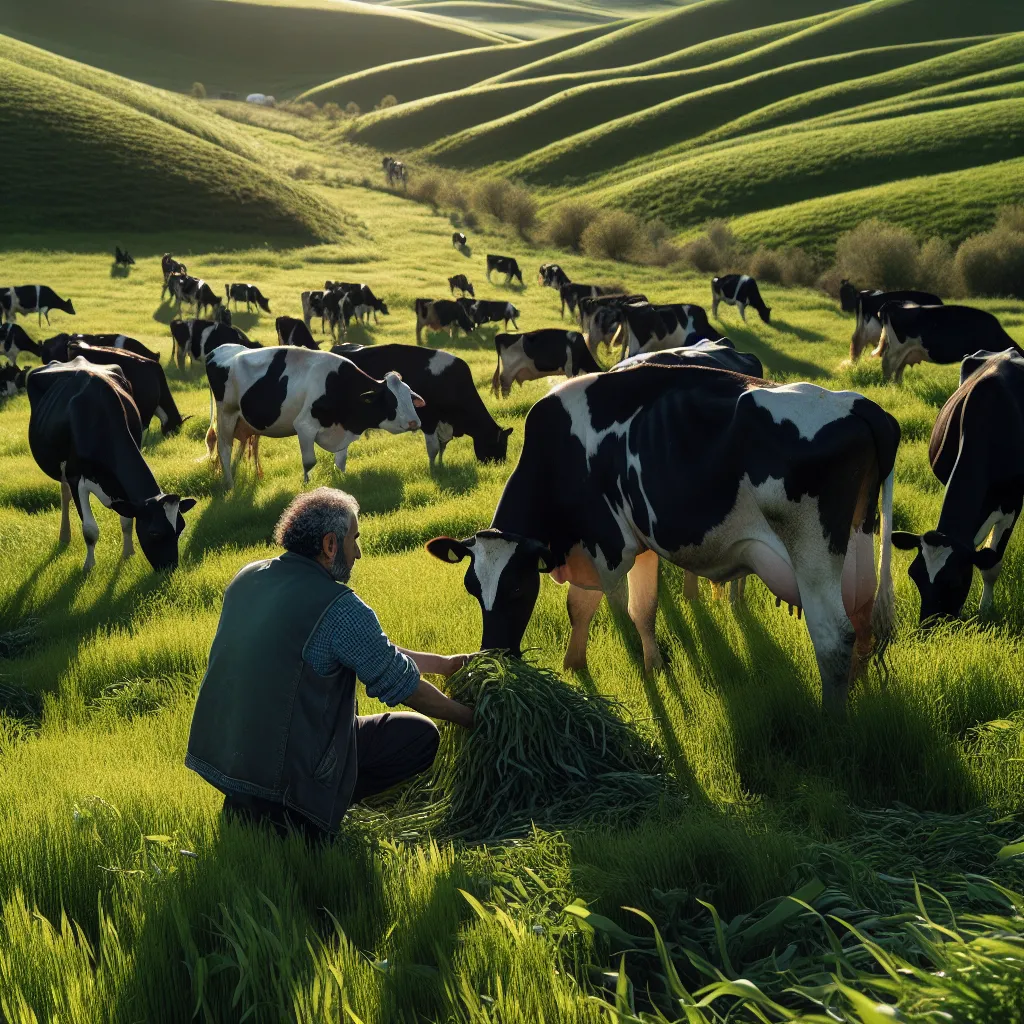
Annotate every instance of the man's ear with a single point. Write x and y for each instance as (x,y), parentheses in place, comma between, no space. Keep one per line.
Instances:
(986,558)
(448,549)
(905,541)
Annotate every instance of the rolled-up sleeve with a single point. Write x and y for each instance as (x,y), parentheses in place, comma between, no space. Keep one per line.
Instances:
(350,634)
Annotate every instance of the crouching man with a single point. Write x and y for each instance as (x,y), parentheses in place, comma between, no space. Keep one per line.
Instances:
(275,726)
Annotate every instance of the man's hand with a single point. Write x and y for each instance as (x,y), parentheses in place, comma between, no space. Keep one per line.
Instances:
(427,699)
(438,664)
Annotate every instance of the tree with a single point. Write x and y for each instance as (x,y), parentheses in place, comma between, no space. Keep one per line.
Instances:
(388,101)
(199,90)
(331,111)
(352,109)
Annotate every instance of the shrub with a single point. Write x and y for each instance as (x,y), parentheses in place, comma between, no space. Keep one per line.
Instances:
(936,268)
(305,172)
(568,221)
(798,268)
(876,254)
(665,254)
(426,188)
(1010,218)
(613,235)
(388,101)
(332,111)
(993,263)
(470,220)
(490,196)
(519,209)
(352,109)
(722,238)
(700,253)
(767,265)
(199,90)
(453,195)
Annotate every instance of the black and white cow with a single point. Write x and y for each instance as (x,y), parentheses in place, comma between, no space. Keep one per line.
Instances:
(935,334)
(535,354)
(322,398)
(977,451)
(146,381)
(739,290)
(291,331)
(198,338)
(123,259)
(461,282)
(337,310)
(394,170)
(55,349)
(487,311)
(551,275)
(247,293)
(868,330)
(647,328)
(704,353)
(458,240)
(848,293)
(364,302)
(32,298)
(14,341)
(313,305)
(12,380)
(169,265)
(504,265)
(789,477)
(595,321)
(84,431)
(453,406)
(571,294)
(442,314)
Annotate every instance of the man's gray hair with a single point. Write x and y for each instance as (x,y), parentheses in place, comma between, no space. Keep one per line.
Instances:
(311,516)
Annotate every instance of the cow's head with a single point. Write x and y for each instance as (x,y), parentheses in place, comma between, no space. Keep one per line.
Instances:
(360,402)
(158,524)
(942,571)
(55,349)
(382,308)
(494,448)
(504,576)
(847,296)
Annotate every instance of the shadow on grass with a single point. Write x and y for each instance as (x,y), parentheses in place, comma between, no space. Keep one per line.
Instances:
(774,361)
(377,490)
(116,270)
(457,479)
(244,321)
(167,311)
(803,333)
(233,519)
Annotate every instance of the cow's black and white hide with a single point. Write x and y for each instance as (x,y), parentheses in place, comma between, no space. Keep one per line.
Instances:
(571,295)
(867,331)
(198,338)
(597,325)
(291,331)
(532,355)
(32,298)
(458,240)
(443,315)
(647,328)
(504,265)
(551,275)
(739,290)
(55,349)
(702,353)
(337,311)
(12,380)
(84,431)
(494,311)
(169,265)
(461,282)
(247,293)
(14,341)
(789,479)
(977,451)
(394,170)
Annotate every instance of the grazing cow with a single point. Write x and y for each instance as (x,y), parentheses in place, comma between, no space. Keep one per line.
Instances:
(592,309)
(394,170)
(247,293)
(458,240)
(32,298)
(789,478)
(453,406)
(647,328)
(12,380)
(336,309)
(84,430)
(486,311)
(935,334)
(442,314)
(294,332)
(551,275)
(313,305)
(198,338)
(461,282)
(123,259)
(55,349)
(704,353)
(14,340)
(739,290)
(504,265)
(146,379)
(169,265)
(536,354)
(977,451)
(318,396)
(868,330)
(207,298)
(848,293)
(571,294)
(364,302)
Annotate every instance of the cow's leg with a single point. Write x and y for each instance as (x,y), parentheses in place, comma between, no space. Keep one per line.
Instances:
(434,449)
(643,606)
(64,537)
(714,305)
(581,605)
(90,528)
(691,586)
(127,547)
(989,577)
(743,311)
(831,632)
(308,452)
(225,438)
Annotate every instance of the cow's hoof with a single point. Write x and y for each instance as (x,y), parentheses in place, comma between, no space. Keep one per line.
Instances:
(574,663)
(653,663)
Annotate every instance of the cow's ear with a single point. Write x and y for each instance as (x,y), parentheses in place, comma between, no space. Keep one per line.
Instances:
(546,561)
(986,558)
(905,541)
(507,431)
(448,549)
(186,505)
(124,508)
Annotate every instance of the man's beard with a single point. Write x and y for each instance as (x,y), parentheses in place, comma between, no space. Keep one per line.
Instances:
(340,570)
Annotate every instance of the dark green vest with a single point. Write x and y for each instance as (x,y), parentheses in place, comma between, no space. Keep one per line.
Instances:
(265,722)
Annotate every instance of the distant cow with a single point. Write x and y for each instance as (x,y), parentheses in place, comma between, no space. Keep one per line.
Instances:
(487,311)
(313,305)
(322,398)
(12,380)
(977,451)
(294,332)
(571,294)
(440,315)
(461,282)
(536,354)
(32,298)
(364,302)
(337,310)
(198,338)
(14,340)
(868,330)
(458,240)
(551,275)
(394,170)
(55,349)
(935,334)
(739,290)
(194,291)
(453,406)
(123,259)
(647,328)
(247,293)
(169,265)
(504,265)
(84,430)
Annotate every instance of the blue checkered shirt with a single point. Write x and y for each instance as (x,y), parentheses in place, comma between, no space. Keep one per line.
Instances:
(349,634)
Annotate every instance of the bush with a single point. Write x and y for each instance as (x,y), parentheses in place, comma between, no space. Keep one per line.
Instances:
(613,235)
(490,196)
(387,101)
(453,195)
(470,220)
(568,221)
(992,263)
(798,268)
(352,109)
(767,265)
(700,253)
(519,209)
(199,90)
(721,237)
(665,254)
(1010,218)
(305,172)
(876,254)
(936,268)
(332,111)
(426,188)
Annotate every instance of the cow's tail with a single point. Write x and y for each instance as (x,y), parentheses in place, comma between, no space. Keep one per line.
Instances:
(496,379)
(883,614)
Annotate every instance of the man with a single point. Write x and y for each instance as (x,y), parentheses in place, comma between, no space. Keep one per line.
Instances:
(275,725)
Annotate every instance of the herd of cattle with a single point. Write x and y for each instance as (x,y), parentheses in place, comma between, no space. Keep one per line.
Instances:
(793,479)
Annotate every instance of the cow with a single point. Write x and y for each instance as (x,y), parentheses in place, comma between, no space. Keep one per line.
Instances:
(55,349)
(504,265)
(595,321)
(123,259)
(198,338)
(336,309)
(247,293)
(848,293)
(364,302)
(868,330)
(322,398)
(313,305)
(461,282)
(453,406)
(703,353)
(935,334)
(551,275)
(169,265)
(12,380)
(84,431)
(487,311)
(394,170)
(14,341)
(789,478)
(977,451)
(458,240)
(442,314)
(739,290)
(146,380)
(291,331)
(32,298)
(570,295)
(647,328)
(536,354)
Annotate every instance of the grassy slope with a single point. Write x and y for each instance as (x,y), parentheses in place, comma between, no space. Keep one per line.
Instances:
(243,47)
(735,711)
(536,20)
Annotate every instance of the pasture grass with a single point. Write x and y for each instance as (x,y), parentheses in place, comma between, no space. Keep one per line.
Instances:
(123,896)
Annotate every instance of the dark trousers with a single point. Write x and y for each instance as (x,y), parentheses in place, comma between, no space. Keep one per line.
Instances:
(390,749)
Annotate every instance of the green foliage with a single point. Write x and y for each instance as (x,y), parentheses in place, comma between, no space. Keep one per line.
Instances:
(198,91)
(613,235)
(993,263)
(566,223)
